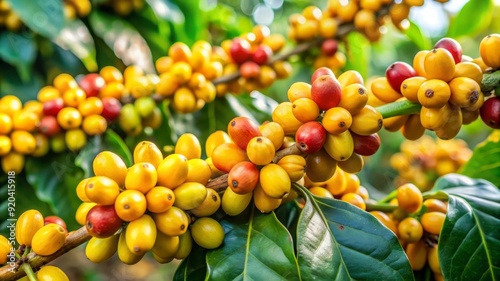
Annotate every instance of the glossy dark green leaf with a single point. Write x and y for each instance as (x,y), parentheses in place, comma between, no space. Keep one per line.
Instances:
(109,141)
(19,50)
(10,83)
(255,104)
(54,179)
(76,37)
(45,17)
(125,41)
(485,160)
(259,248)
(479,10)
(469,243)
(417,36)
(358,53)
(192,268)
(338,241)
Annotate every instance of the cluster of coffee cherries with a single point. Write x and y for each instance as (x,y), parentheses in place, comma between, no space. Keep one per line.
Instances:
(11,21)
(331,122)
(444,82)
(422,161)
(490,60)
(34,233)
(148,206)
(417,223)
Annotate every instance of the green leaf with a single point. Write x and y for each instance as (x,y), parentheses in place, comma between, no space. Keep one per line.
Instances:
(417,36)
(54,179)
(122,38)
(469,243)
(260,248)
(11,83)
(479,10)
(256,104)
(358,53)
(77,38)
(45,17)
(485,160)
(338,241)
(192,268)
(18,50)
(109,141)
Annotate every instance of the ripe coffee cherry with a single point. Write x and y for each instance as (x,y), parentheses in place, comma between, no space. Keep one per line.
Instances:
(92,83)
(490,112)
(102,221)
(111,108)
(250,69)
(329,47)
(262,54)
(326,92)
(452,46)
(366,145)
(240,50)
(241,130)
(56,220)
(320,72)
(310,137)
(49,126)
(397,72)
(52,107)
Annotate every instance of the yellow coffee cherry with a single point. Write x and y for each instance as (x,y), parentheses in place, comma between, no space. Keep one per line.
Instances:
(184,100)
(13,162)
(409,197)
(381,88)
(27,225)
(233,203)
(64,82)
(433,93)
(50,273)
(185,245)
(274,132)
(165,246)
(102,190)
(294,166)
(435,205)
(283,115)
(347,10)
(410,230)
(159,199)
(5,249)
(130,205)
(189,146)
(141,234)
(411,86)
(198,171)
(470,70)
(141,176)
(75,139)
(305,110)
(320,191)
(172,222)
(109,164)
(337,183)
(385,220)
(432,222)
(207,232)
(413,129)
(42,145)
(260,150)
(417,254)
(6,124)
(94,125)
(354,199)
(354,97)
(25,120)
(435,118)
(452,125)
(263,202)
(488,50)
(82,210)
(99,250)
(340,146)
(215,139)
(47,93)
(368,121)
(124,254)
(439,64)
(399,12)
(465,92)
(74,97)
(69,118)
(148,152)
(275,181)
(433,259)
(23,142)
(189,195)
(48,239)
(337,120)
(173,171)
(299,90)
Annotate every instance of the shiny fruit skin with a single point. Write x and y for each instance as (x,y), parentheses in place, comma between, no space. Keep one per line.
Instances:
(27,225)
(99,250)
(260,150)
(294,165)
(354,199)
(159,199)
(243,177)
(305,110)
(226,155)
(185,245)
(240,50)
(452,125)
(368,121)
(465,92)
(320,166)
(75,139)
(417,254)
(124,254)
(241,130)
(433,222)
(409,87)
(381,89)
(275,181)
(326,92)
(354,98)
(189,146)
(215,139)
(469,70)
(109,164)
(111,108)
(209,206)
(353,164)
(51,273)
(433,259)
(23,141)
(233,203)
(129,120)
(102,221)
(336,120)
(410,230)
(299,90)
(452,46)
(165,246)
(340,147)
(489,50)
(264,202)
(48,239)
(397,72)
(320,72)
(490,112)
(283,115)
(366,145)
(147,151)
(198,171)
(53,107)
(49,126)
(102,190)
(207,233)
(172,222)
(172,171)
(189,195)
(433,93)
(413,129)
(348,78)
(5,249)
(141,176)
(439,64)
(130,205)
(140,234)
(321,191)
(435,118)
(310,137)
(55,219)
(274,132)
(435,205)
(91,84)
(409,198)
(82,211)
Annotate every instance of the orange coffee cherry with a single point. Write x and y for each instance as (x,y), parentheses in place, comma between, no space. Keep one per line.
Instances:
(433,222)
(354,199)
(465,92)
(409,198)
(337,120)
(488,50)
(410,230)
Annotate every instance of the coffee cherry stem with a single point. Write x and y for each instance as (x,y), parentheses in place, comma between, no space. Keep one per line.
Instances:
(383,207)
(34,262)
(389,197)
(398,108)
(441,195)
